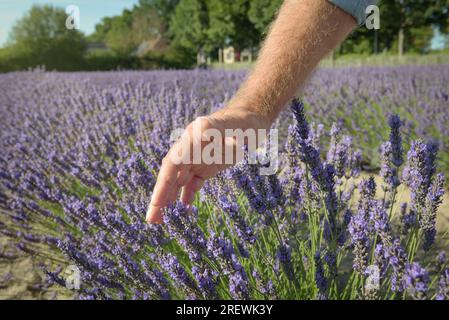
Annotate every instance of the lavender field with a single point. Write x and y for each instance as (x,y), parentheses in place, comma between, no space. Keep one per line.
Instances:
(352,214)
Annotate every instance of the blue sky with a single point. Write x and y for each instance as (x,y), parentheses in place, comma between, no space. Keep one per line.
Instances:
(438,41)
(91,12)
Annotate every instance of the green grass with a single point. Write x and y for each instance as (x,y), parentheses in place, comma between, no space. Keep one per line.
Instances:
(354,60)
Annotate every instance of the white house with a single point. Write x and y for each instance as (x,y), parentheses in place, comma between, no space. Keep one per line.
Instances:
(229,55)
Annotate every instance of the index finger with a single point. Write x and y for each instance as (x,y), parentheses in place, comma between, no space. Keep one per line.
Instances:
(163,190)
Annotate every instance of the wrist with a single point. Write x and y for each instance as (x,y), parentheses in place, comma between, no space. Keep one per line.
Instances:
(256,117)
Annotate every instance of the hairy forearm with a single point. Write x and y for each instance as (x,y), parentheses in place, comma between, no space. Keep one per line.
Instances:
(304,32)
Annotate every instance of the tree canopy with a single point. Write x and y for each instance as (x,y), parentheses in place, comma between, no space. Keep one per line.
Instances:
(192,25)
(184,27)
(41,37)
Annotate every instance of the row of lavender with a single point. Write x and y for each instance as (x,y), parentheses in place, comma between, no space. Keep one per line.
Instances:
(364,98)
(78,164)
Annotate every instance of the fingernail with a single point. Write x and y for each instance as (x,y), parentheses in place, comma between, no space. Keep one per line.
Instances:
(147,216)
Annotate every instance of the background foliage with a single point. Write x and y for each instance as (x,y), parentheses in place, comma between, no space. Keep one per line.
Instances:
(187,26)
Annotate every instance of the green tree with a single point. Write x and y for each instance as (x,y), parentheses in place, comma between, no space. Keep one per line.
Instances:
(262,12)
(164,8)
(147,24)
(212,24)
(229,24)
(221,26)
(420,39)
(406,26)
(41,38)
(189,25)
(119,37)
(401,20)
(101,30)
(124,33)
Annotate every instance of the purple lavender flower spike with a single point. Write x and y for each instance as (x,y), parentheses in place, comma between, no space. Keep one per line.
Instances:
(397,258)
(223,251)
(265,288)
(397,150)
(443,286)
(408,219)
(428,219)
(320,277)
(418,172)
(177,272)
(388,171)
(284,256)
(358,229)
(238,281)
(180,224)
(380,220)
(207,280)
(441,258)
(417,281)
(302,127)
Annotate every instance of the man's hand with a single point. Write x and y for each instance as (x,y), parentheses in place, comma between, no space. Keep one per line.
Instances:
(175,175)
(303,33)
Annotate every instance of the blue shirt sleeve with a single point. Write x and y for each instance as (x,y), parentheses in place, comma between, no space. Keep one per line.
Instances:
(356,8)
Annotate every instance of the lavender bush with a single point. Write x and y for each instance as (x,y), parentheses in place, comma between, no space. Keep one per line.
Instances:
(364,98)
(79,160)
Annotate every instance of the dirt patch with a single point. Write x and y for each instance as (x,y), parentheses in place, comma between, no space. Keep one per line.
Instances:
(21,278)
(403,195)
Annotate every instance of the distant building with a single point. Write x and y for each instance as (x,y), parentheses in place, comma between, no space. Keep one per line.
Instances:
(231,55)
(201,58)
(246,55)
